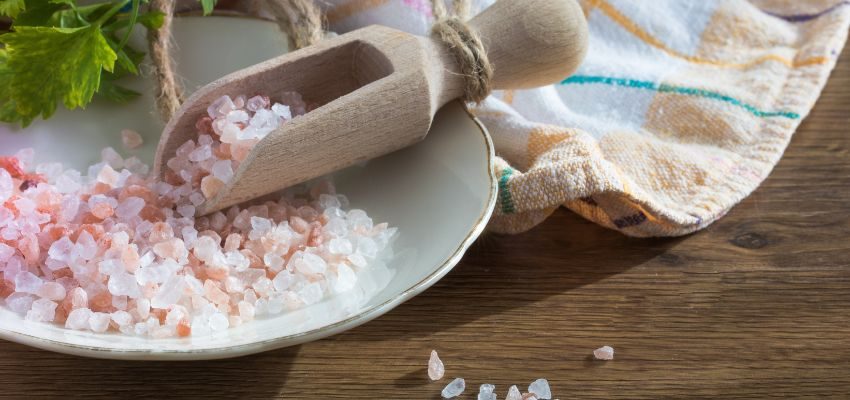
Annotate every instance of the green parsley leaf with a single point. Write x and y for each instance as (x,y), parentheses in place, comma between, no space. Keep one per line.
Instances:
(113,92)
(208,6)
(52,64)
(152,19)
(11,8)
(37,13)
(7,105)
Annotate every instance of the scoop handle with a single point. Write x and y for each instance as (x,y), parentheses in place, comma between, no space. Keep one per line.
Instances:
(532,43)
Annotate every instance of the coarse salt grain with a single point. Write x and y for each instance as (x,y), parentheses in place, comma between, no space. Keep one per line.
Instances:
(436,369)
(123,251)
(604,353)
(540,389)
(454,388)
(513,394)
(131,139)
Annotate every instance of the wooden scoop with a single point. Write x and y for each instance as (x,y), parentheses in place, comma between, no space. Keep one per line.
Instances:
(379,89)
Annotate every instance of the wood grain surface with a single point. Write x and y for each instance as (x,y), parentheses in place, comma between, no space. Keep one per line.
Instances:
(755,306)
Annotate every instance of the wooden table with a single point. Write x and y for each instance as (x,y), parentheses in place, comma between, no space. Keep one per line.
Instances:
(756,305)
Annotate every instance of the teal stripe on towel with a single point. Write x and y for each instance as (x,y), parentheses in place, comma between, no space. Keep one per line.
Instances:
(683,90)
(505,198)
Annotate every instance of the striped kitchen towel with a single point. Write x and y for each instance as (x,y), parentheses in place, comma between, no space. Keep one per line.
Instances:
(681,109)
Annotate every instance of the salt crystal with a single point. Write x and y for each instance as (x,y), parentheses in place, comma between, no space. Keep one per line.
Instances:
(283,280)
(310,264)
(311,293)
(112,158)
(219,322)
(237,116)
(540,388)
(78,319)
(169,293)
(485,392)
(6,252)
(131,139)
(367,247)
(202,153)
(255,103)
(121,317)
(220,107)
(210,186)
(186,210)
(436,369)
(454,388)
(346,278)
(43,310)
(282,111)
(124,284)
(513,393)
(340,246)
(19,302)
(99,322)
(223,170)
(7,188)
(604,353)
(51,291)
(27,282)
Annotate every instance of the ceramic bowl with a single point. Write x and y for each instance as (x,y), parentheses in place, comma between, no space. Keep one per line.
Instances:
(439,193)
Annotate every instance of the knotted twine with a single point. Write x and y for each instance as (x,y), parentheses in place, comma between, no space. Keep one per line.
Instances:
(466,46)
(302,22)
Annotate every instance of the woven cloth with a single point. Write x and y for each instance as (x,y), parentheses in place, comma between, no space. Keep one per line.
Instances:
(681,109)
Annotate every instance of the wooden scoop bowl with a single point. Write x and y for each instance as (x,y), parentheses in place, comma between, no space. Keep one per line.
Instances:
(379,89)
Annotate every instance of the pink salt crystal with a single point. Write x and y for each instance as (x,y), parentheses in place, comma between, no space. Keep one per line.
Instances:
(529,396)
(51,291)
(220,107)
(131,139)
(436,369)
(108,176)
(210,186)
(604,353)
(213,292)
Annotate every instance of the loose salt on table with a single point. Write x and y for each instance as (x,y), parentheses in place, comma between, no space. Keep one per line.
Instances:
(513,393)
(604,353)
(131,139)
(119,250)
(485,392)
(540,388)
(454,388)
(436,369)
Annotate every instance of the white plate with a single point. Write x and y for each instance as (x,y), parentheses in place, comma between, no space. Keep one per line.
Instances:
(439,193)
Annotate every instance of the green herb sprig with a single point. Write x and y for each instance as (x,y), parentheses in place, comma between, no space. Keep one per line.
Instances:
(61,51)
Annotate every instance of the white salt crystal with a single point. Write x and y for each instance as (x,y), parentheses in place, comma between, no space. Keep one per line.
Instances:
(283,280)
(246,310)
(540,388)
(201,153)
(237,116)
(436,369)
(358,260)
(169,293)
(237,260)
(27,282)
(86,247)
(604,353)
(19,302)
(124,284)
(367,247)
(220,107)
(310,264)
(223,170)
(143,307)
(346,279)
(43,310)
(25,156)
(255,103)
(99,322)
(340,246)
(7,188)
(513,394)
(282,111)
(311,293)
(122,318)
(454,388)
(61,249)
(78,319)
(52,291)
(485,392)
(219,322)
(131,139)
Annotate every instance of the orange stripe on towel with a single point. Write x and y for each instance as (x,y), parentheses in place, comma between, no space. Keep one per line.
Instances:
(624,21)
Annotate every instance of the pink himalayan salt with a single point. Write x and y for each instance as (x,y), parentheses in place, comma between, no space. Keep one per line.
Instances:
(131,139)
(604,353)
(436,369)
(119,250)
